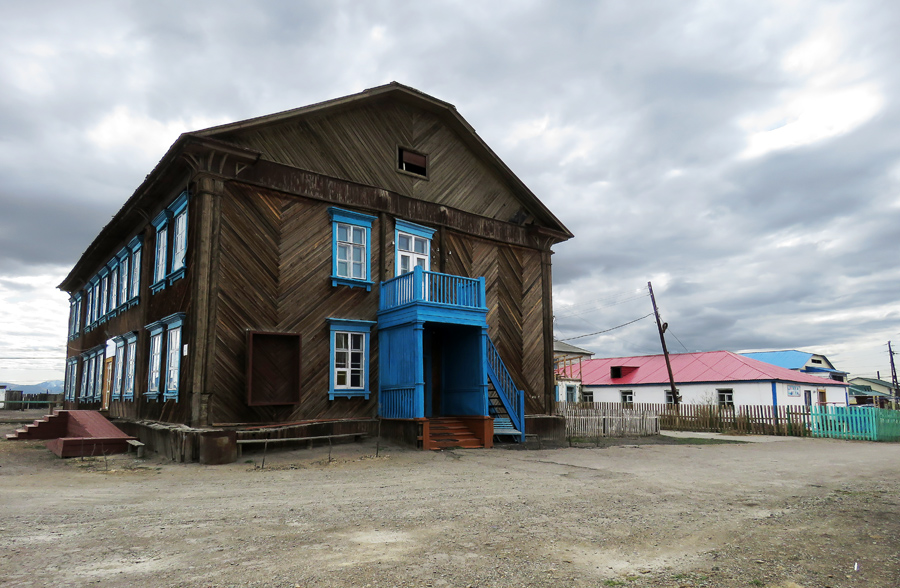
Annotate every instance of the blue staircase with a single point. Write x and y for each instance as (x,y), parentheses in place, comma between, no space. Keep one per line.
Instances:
(507,403)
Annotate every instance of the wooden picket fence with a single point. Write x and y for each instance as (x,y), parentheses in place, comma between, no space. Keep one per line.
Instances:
(588,420)
(837,422)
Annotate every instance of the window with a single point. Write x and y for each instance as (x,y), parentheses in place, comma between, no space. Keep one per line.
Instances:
(85,377)
(816,361)
(349,376)
(159,269)
(726,398)
(130,349)
(118,369)
(627,396)
(165,341)
(123,272)
(155,361)
(169,268)
(571,393)
(173,362)
(114,288)
(413,244)
(180,245)
(74,316)
(615,371)
(587,395)
(71,379)
(99,359)
(412,162)
(670,398)
(135,247)
(351,248)
(104,299)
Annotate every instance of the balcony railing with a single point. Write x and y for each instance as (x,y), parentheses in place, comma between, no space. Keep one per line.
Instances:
(432,287)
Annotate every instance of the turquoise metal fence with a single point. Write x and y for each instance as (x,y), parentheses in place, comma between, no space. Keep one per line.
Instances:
(855,423)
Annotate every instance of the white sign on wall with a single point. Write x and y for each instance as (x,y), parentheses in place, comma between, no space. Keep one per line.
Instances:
(793,390)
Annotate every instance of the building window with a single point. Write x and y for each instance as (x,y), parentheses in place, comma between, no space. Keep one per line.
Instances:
(571,393)
(627,397)
(413,244)
(104,299)
(412,162)
(130,355)
(75,316)
(114,288)
(71,378)
(670,398)
(165,341)
(173,359)
(169,268)
(100,359)
(85,379)
(349,375)
(118,369)
(587,395)
(726,398)
(351,248)
(156,336)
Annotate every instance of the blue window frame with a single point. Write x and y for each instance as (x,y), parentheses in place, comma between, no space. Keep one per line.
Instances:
(129,361)
(75,315)
(99,359)
(351,248)
(348,376)
(412,247)
(85,378)
(71,378)
(165,344)
(134,281)
(118,377)
(171,243)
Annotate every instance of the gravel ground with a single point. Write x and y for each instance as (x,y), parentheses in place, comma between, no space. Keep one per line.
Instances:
(657,512)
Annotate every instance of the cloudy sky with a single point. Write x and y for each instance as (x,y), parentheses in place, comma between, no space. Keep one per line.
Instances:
(742,156)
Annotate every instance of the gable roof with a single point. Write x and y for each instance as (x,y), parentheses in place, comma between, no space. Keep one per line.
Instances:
(566,349)
(172,168)
(709,366)
(789,359)
(407,95)
(875,381)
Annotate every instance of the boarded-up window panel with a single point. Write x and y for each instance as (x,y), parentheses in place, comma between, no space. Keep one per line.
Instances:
(273,368)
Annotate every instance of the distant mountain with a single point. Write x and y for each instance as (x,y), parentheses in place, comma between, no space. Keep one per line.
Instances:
(48,387)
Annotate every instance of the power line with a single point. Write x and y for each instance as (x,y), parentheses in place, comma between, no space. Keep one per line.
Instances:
(608,330)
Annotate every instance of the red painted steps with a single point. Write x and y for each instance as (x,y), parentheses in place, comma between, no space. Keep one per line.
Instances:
(448,432)
(76,433)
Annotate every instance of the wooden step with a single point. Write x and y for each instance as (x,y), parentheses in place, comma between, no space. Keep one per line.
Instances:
(447,432)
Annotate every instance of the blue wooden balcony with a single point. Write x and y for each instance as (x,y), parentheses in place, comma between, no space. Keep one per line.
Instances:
(424,296)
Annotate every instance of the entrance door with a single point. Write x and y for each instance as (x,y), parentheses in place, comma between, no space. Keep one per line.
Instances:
(433,359)
(107,383)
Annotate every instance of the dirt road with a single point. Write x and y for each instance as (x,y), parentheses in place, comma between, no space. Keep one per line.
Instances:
(804,512)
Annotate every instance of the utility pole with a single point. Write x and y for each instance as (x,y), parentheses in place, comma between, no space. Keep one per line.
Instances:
(676,398)
(896,390)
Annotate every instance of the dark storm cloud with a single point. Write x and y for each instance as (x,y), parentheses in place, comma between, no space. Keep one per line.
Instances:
(627,119)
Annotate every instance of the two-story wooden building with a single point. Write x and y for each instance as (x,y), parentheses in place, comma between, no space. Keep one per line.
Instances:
(366,256)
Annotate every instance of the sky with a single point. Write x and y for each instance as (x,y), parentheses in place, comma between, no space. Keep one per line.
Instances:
(742,156)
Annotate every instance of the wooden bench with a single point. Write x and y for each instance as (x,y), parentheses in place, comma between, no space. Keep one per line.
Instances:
(138,447)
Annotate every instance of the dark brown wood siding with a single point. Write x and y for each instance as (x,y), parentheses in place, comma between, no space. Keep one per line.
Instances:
(513,279)
(274,275)
(360,145)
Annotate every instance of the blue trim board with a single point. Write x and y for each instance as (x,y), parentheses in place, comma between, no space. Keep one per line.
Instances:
(774,395)
(350,326)
(401,225)
(339,215)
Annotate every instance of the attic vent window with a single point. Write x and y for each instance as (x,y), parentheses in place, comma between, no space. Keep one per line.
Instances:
(816,361)
(412,162)
(615,371)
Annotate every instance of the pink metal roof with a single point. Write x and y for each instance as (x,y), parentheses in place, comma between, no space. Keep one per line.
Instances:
(709,366)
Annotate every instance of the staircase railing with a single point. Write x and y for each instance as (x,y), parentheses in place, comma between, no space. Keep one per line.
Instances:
(512,398)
